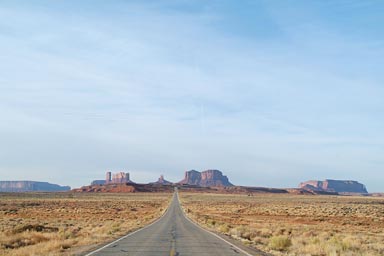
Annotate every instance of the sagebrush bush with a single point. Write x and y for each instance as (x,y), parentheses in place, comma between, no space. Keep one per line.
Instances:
(279,243)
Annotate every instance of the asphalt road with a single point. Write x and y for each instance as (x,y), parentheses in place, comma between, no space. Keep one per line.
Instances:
(171,235)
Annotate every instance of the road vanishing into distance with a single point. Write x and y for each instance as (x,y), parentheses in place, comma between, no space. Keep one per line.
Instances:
(171,235)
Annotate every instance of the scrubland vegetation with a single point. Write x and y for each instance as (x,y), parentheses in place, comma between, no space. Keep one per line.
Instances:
(68,224)
(292,224)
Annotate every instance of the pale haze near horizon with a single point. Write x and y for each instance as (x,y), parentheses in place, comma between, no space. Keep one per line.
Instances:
(271,93)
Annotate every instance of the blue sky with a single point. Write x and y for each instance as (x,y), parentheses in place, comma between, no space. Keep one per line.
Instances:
(270,92)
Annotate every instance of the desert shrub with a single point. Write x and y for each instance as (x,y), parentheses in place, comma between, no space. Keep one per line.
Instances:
(238,231)
(211,222)
(26,239)
(279,243)
(115,227)
(36,228)
(265,232)
(224,228)
(247,235)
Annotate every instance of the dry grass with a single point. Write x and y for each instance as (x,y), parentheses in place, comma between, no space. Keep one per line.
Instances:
(68,224)
(292,224)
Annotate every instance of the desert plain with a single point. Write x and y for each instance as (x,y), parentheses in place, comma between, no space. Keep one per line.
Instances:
(285,224)
(278,224)
(72,223)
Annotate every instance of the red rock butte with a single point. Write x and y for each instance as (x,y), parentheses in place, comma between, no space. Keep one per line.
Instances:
(208,178)
(115,178)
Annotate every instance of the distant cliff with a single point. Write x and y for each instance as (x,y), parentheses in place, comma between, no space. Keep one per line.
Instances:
(208,178)
(30,186)
(338,186)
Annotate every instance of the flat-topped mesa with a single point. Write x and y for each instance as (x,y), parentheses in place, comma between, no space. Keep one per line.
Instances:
(31,186)
(213,178)
(208,178)
(338,186)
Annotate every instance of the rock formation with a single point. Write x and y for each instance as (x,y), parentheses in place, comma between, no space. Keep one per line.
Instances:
(120,177)
(116,178)
(162,181)
(338,186)
(98,182)
(208,178)
(125,188)
(30,186)
(191,177)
